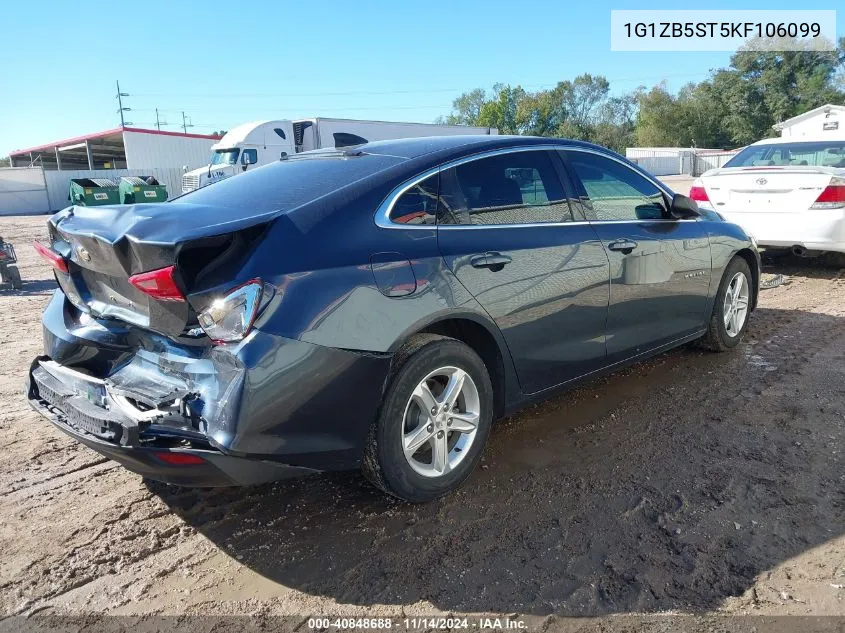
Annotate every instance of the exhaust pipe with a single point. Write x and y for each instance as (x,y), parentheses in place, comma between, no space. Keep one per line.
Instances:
(799,251)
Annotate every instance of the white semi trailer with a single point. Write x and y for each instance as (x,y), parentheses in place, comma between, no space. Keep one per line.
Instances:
(261,142)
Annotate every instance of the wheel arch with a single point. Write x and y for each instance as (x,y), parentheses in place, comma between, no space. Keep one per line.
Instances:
(486,340)
(754,265)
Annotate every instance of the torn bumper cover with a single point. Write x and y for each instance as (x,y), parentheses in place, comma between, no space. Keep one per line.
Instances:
(113,421)
(264,409)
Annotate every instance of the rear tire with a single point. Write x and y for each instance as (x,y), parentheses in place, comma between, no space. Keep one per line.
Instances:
(417,455)
(14,276)
(723,332)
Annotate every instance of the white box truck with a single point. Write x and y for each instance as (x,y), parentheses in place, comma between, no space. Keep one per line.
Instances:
(260,142)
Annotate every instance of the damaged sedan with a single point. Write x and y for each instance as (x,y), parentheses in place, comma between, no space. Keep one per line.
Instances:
(372,308)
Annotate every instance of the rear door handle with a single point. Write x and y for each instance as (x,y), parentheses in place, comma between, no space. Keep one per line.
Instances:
(623,245)
(492,260)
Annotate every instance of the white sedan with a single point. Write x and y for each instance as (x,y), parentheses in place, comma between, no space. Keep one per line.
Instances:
(784,192)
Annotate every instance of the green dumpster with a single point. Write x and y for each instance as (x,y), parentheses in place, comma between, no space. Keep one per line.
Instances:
(90,192)
(141,189)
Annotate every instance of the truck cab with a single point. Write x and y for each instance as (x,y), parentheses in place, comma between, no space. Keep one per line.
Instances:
(243,147)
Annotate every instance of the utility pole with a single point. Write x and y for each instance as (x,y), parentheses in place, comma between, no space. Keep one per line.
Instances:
(120,107)
(159,120)
(185,124)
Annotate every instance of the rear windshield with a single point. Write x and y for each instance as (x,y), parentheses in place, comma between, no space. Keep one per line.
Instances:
(287,184)
(815,154)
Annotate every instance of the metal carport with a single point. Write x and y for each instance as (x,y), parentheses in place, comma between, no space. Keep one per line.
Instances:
(101,150)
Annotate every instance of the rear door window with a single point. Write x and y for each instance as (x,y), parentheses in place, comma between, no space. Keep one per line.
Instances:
(511,188)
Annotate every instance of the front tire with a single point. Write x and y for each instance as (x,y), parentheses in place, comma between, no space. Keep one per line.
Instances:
(434,421)
(731,308)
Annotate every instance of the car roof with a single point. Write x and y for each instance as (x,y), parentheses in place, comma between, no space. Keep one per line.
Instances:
(417,147)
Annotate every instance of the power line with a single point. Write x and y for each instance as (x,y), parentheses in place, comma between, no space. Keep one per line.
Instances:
(230,108)
(254,95)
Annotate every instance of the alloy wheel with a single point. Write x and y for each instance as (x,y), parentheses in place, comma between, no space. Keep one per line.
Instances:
(441,421)
(736,304)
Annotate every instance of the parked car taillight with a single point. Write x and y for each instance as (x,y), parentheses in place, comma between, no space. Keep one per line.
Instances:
(159,284)
(230,318)
(53,258)
(698,193)
(833,196)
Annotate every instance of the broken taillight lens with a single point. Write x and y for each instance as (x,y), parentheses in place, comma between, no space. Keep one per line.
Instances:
(832,197)
(159,284)
(52,257)
(229,319)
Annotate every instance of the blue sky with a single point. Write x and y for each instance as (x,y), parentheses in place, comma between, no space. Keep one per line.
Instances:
(225,63)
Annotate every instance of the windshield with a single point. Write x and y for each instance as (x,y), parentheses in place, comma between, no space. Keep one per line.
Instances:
(225,156)
(810,154)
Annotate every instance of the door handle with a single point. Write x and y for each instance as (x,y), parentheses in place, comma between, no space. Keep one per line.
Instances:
(623,245)
(492,260)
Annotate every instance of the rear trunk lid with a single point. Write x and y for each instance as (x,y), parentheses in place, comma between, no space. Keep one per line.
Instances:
(106,245)
(767,189)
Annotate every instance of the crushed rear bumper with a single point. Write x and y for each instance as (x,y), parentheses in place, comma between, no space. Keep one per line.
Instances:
(264,409)
(211,468)
(187,465)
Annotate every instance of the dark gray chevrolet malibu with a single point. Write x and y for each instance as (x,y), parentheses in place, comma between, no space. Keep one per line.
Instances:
(375,307)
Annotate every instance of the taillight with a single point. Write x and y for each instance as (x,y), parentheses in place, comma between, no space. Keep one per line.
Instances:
(53,258)
(230,318)
(158,284)
(698,193)
(833,196)
(179,459)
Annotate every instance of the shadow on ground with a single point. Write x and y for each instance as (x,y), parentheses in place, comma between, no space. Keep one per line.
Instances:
(39,287)
(668,485)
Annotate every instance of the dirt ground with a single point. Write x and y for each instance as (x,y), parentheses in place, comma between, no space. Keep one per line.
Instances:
(697,483)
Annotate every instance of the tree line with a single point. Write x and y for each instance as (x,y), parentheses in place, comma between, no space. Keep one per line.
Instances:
(733,107)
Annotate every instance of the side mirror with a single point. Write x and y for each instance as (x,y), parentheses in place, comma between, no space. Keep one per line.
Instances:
(683,208)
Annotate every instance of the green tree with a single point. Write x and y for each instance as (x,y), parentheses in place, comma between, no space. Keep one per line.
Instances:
(582,101)
(467,108)
(762,88)
(660,119)
(503,110)
(733,107)
(792,82)
(616,124)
